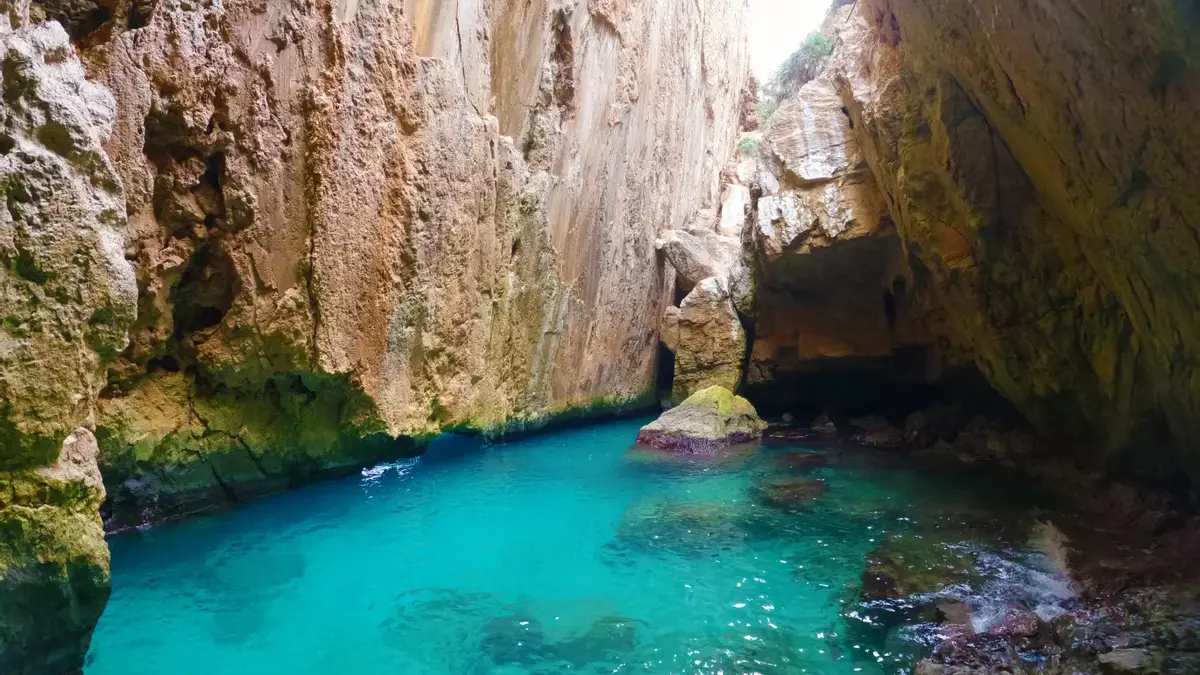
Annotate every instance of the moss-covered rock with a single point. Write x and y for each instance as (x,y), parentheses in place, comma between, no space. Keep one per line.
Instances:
(173,445)
(54,564)
(709,419)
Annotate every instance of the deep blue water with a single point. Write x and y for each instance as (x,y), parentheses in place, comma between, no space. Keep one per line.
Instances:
(565,552)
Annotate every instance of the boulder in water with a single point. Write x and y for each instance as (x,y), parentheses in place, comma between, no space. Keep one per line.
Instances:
(706,421)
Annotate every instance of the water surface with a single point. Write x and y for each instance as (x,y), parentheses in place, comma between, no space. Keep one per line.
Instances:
(567,552)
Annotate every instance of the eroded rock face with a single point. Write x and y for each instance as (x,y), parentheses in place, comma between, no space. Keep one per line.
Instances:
(1046,202)
(54,565)
(711,343)
(68,296)
(708,420)
(833,296)
(391,218)
(67,292)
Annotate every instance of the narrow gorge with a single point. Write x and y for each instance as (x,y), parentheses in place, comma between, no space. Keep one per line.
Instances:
(418,255)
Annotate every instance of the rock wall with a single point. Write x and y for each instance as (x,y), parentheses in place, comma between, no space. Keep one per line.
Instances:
(356,221)
(68,296)
(1037,161)
(835,326)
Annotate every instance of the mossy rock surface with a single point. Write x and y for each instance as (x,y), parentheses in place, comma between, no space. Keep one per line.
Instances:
(54,579)
(708,420)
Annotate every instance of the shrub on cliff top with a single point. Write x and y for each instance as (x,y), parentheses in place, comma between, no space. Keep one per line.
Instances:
(803,65)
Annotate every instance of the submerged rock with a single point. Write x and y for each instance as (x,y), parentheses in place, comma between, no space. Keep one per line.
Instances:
(907,566)
(801,460)
(685,528)
(708,420)
(791,492)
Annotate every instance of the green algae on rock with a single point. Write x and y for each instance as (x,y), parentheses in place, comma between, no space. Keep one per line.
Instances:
(54,564)
(706,421)
(169,450)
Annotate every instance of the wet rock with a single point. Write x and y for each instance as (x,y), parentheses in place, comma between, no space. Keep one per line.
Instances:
(1020,623)
(909,565)
(790,493)
(1124,661)
(877,432)
(823,425)
(684,528)
(801,461)
(54,564)
(711,348)
(706,421)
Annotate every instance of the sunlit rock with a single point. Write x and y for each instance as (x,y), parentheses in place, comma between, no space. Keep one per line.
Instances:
(706,421)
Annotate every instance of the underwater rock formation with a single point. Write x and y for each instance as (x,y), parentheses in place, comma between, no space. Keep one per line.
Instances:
(708,420)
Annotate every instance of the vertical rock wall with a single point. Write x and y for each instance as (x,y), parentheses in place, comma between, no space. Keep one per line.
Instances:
(67,296)
(1038,162)
(361,220)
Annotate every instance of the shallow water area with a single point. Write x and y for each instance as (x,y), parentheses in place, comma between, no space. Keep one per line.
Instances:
(568,552)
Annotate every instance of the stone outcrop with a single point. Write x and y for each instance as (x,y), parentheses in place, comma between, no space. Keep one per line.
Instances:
(68,296)
(714,275)
(711,343)
(356,223)
(708,420)
(54,574)
(67,292)
(1039,174)
(832,300)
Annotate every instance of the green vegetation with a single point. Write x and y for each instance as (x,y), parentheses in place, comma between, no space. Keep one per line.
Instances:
(748,146)
(803,65)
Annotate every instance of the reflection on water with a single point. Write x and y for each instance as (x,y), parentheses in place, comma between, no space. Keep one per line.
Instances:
(570,552)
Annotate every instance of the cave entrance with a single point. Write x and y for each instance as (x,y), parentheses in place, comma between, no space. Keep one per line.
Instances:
(664,377)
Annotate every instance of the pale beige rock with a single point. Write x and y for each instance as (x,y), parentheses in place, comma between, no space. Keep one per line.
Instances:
(67,292)
(669,331)
(735,204)
(77,462)
(712,343)
(697,254)
(832,285)
(423,197)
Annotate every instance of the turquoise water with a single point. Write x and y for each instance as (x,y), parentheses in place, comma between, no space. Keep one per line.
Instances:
(566,552)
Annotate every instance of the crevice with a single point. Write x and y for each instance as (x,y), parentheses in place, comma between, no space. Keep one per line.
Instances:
(462,60)
(563,62)
(228,490)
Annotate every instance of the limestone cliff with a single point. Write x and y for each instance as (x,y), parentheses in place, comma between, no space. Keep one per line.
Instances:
(367,220)
(68,296)
(834,323)
(1037,161)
